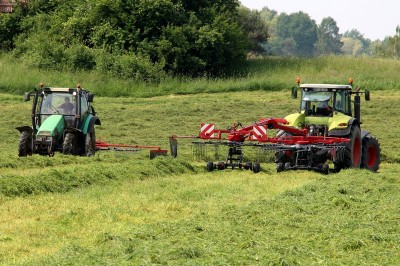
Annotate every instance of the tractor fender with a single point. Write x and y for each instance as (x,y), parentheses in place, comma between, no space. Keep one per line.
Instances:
(24,128)
(89,123)
(364,134)
(94,120)
(345,132)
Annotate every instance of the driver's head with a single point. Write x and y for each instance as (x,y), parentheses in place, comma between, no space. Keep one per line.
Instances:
(67,99)
(323,104)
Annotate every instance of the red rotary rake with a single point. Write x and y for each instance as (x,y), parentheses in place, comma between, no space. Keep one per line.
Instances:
(296,150)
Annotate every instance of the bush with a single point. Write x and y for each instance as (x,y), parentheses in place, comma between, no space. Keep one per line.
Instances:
(80,57)
(130,66)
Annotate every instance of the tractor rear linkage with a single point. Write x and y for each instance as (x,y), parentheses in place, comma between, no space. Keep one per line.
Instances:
(291,152)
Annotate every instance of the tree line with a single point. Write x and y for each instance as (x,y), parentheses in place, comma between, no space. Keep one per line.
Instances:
(297,34)
(151,39)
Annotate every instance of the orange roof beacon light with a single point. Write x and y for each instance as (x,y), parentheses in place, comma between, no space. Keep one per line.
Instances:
(298,81)
(78,86)
(350,81)
(41,84)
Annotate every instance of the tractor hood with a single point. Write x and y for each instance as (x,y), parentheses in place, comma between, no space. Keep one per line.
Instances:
(338,121)
(52,126)
(296,119)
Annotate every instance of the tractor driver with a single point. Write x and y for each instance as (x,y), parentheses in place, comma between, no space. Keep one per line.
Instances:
(324,108)
(67,106)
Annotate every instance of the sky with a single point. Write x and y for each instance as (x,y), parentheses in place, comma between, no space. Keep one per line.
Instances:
(375,19)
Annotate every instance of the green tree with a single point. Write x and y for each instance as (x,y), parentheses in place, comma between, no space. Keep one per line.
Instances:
(352,46)
(299,29)
(328,37)
(355,35)
(390,46)
(255,27)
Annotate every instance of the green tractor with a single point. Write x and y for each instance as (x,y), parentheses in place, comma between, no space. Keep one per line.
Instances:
(62,120)
(326,110)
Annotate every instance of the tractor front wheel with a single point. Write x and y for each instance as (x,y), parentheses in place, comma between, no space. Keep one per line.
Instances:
(69,145)
(25,144)
(90,144)
(371,154)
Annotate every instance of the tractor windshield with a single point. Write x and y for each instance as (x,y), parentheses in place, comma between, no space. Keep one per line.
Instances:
(58,103)
(317,103)
(324,102)
(317,96)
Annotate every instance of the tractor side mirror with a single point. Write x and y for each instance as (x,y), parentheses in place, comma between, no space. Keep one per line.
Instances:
(27,96)
(294,92)
(367,95)
(90,97)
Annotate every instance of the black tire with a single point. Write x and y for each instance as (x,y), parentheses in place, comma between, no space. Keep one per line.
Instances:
(90,144)
(221,166)
(69,144)
(325,169)
(352,158)
(256,167)
(371,154)
(210,166)
(248,166)
(25,144)
(337,167)
(280,167)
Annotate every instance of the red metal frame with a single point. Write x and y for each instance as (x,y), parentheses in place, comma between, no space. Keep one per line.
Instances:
(242,134)
(101,145)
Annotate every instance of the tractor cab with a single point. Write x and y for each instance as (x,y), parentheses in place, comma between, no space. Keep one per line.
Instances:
(62,119)
(71,104)
(326,109)
(324,99)
(319,100)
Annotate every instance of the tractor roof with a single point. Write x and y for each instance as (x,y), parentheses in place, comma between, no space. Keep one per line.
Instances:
(326,86)
(63,90)
(58,89)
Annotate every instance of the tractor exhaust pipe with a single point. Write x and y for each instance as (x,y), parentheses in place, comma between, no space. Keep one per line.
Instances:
(357,108)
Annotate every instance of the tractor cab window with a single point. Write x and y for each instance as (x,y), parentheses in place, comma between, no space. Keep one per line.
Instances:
(342,102)
(45,106)
(58,103)
(84,106)
(317,103)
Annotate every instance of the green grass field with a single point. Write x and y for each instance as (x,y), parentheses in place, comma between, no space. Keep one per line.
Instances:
(120,208)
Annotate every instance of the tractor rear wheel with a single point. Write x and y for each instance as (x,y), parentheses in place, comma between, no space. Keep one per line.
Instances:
(352,156)
(90,144)
(371,154)
(25,144)
(69,144)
